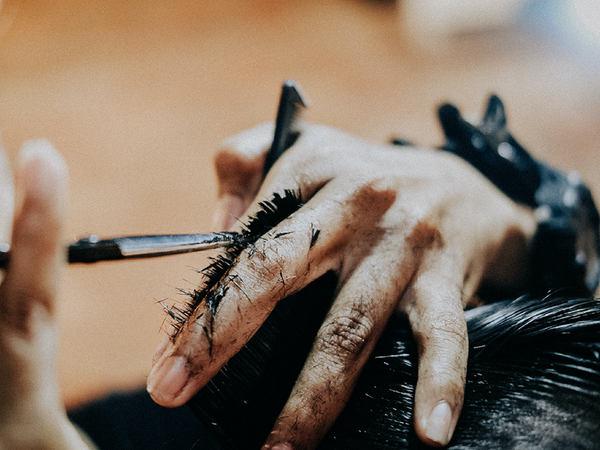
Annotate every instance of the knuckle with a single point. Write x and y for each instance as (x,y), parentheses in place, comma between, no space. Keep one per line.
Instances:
(345,336)
(443,352)
(18,308)
(268,260)
(249,143)
(317,146)
(319,135)
(302,160)
(37,230)
(374,192)
(448,326)
(425,235)
(446,379)
(232,167)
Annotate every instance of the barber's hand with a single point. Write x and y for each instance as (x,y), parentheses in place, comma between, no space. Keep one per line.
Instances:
(406,229)
(31,411)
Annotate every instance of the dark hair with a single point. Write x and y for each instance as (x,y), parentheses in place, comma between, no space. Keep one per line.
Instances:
(533,381)
(533,377)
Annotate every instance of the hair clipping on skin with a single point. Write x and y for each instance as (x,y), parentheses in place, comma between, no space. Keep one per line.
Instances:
(566,246)
(217,280)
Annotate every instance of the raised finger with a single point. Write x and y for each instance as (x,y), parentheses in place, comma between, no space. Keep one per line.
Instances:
(36,252)
(286,259)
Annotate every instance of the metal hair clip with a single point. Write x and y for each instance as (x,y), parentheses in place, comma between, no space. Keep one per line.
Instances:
(92,249)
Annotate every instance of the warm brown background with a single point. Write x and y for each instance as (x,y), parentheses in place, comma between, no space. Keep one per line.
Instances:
(138,94)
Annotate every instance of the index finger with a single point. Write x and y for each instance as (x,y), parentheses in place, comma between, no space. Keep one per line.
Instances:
(32,279)
(287,259)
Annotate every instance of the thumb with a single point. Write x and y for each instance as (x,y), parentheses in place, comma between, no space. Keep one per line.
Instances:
(36,252)
(239,167)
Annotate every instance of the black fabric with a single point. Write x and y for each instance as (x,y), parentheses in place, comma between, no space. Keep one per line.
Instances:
(132,421)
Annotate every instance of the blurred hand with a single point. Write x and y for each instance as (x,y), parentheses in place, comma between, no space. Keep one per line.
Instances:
(404,228)
(31,411)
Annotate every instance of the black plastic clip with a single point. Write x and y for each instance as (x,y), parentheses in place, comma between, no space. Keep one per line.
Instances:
(566,247)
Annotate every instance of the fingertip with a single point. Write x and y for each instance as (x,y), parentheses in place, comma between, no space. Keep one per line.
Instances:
(167,381)
(438,403)
(229,209)
(436,427)
(251,143)
(42,196)
(161,349)
(43,173)
(42,149)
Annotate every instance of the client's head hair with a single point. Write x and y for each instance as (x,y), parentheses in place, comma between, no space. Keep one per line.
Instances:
(533,382)
(533,378)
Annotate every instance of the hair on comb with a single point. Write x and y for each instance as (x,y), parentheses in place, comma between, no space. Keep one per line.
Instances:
(216,282)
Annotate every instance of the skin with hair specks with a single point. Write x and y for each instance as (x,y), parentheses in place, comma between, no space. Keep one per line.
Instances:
(404,229)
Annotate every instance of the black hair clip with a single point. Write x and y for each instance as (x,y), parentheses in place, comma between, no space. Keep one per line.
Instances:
(566,246)
(92,249)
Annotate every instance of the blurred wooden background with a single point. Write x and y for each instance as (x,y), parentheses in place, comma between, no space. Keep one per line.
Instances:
(137,95)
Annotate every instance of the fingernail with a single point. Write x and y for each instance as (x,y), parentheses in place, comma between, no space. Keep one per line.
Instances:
(167,379)
(160,350)
(279,446)
(438,424)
